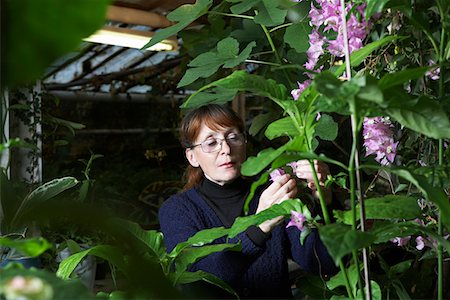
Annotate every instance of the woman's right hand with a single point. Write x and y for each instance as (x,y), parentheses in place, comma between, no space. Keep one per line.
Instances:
(280,190)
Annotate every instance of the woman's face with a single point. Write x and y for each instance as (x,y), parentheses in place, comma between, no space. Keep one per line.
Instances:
(220,166)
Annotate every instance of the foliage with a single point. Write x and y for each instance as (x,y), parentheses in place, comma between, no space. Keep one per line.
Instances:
(385,76)
(40,32)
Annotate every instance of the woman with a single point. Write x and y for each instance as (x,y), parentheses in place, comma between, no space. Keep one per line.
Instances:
(213,136)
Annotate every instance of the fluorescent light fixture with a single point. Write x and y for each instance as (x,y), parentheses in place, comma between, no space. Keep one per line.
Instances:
(130,38)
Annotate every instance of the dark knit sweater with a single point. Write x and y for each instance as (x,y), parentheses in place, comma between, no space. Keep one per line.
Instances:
(258,271)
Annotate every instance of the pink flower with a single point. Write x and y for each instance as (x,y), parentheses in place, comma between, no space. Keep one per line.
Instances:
(434,73)
(420,243)
(378,138)
(276,174)
(301,87)
(297,220)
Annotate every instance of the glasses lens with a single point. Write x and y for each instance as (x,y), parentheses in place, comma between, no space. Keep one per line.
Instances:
(210,145)
(235,139)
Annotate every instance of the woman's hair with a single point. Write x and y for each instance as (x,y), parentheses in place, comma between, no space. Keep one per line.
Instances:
(214,116)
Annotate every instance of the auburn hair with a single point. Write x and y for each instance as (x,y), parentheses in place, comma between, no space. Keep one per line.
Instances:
(214,116)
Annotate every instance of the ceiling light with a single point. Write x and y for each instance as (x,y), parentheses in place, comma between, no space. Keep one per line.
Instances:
(130,38)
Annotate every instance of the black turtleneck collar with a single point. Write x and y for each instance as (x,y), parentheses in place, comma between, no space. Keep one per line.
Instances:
(226,200)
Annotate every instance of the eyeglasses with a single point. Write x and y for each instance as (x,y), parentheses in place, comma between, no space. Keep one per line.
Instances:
(215,144)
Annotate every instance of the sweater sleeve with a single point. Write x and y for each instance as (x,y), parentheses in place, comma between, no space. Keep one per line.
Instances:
(180,219)
(312,256)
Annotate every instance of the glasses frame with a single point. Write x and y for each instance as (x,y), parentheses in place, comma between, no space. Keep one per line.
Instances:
(221,143)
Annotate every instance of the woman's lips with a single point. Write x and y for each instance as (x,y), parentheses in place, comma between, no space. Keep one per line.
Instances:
(227,165)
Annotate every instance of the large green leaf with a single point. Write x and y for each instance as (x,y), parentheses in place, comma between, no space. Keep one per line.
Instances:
(226,54)
(255,164)
(282,209)
(341,239)
(109,253)
(394,79)
(152,239)
(189,277)
(44,193)
(339,279)
(359,55)
(216,95)
(242,5)
(201,238)
(374,6)
(39,32)
(190,255)
(432,194)
(183,15)
(30,247)
(281,127)
(387,207)
(385,232)
(243,81)
(269,13)
(297,37)
(326,128)
(424,116)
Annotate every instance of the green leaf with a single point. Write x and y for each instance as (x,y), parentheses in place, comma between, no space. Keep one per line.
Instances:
(72,126)
(152,239)
(401,77)
(326,128)
(201,238)
(425,116)
(206,64)
(39,32)
(261,180)
(359,55)
(190,255)
(243,81)
(260,121)
(44,193)
(281,127)
(339,279)
(218,95)
(432,194)
(282,209)
(243,6)
(255,164)
(341,239)
(297,37)
(385,232)
(108,253)
(30,247)
(184,15)
(374,6)
(387,207)
(376,291)
(269,14)
(189,277)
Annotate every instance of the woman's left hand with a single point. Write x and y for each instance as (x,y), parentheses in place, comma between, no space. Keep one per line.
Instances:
(304,171)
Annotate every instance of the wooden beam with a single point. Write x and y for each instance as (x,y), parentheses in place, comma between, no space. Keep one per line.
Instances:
(136,16)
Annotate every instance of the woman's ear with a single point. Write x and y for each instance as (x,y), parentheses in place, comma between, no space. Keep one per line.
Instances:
(190,155)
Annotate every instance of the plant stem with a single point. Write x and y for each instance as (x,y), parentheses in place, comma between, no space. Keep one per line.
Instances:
(355,162)
(262,62)
(231,15)
(274,49)
(440,254)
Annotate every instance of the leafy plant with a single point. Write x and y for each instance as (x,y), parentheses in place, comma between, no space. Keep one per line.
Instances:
(386,81)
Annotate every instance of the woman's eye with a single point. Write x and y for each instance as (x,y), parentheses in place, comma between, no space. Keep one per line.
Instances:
(210,143)
(232,137)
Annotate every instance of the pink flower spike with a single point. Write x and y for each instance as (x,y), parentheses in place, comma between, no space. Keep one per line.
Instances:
(297,220)
(401,241)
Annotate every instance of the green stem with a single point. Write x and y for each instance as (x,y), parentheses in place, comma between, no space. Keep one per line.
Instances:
(274,50)
(280,26)
(440,254)
(231,15)
(262,62)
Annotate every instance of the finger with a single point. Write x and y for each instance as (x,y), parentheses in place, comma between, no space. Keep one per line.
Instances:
(278,184)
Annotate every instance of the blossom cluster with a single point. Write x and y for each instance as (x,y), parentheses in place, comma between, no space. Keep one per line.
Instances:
(325,15)
(378,138)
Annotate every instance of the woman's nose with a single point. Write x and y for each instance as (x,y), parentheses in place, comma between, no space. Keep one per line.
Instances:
(225,148)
